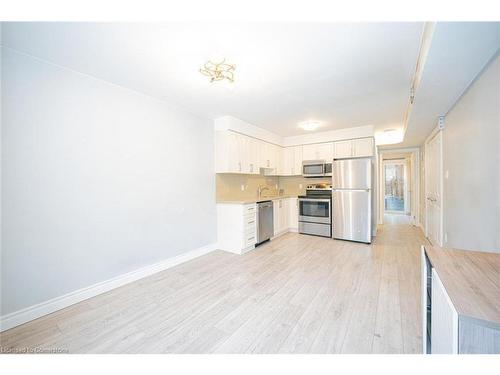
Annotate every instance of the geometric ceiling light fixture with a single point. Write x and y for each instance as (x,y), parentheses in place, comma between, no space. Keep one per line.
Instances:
(218,71)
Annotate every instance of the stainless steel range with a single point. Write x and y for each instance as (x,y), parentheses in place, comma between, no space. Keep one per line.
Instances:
(315,210)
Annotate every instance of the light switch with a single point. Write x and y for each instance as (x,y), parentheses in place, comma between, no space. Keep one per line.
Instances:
(242,187)
(300,186)
(446,174)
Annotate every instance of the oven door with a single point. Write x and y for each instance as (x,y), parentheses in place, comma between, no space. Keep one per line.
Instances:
(313,169)
(313,210)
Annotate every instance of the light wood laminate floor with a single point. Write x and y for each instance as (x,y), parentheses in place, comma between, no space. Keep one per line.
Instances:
(296,294)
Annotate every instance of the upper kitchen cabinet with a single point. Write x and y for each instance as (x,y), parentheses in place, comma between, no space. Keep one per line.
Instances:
(318,151)
(353,148)
(292,161)
(236,153)
(252,158)
(362,147)
(270,156)
(227,152)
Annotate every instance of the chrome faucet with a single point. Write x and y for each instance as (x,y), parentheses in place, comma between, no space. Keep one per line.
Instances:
(261,189)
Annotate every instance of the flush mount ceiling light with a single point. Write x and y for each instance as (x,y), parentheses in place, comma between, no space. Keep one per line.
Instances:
(218,71)
(389,136)
(309,125)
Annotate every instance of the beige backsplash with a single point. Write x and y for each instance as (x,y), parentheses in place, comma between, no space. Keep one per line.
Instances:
(294,185)
(228,186)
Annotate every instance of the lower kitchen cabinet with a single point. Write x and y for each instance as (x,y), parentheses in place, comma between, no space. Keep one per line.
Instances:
(444,320)
(237,223)
(293,214)
(236,227)
(283,221)
(460,302)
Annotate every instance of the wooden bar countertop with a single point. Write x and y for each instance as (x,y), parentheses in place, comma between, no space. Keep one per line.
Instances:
(471,279)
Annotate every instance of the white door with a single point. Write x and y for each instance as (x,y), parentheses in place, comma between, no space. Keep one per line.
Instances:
(433,189)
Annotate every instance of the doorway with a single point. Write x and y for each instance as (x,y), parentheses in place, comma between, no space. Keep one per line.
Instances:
(395,187)
(399,186)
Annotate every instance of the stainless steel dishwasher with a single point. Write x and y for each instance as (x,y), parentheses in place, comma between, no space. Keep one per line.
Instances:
(265,228)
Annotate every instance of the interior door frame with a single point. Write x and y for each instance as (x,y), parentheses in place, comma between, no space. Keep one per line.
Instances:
(436,132)
(415,181)
(404,163)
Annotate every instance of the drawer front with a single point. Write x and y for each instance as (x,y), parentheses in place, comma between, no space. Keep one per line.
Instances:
(250,209)
(250,221)
(250,238)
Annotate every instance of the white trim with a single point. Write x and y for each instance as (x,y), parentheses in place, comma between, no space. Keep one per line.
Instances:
(36,311)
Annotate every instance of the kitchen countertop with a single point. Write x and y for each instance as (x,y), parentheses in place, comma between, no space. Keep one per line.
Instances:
(254,200)
(471,279)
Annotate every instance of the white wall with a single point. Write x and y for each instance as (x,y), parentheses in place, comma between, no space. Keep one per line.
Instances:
(98,180)
(471,155)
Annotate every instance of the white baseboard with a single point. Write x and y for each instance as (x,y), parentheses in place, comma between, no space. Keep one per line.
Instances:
(36,311)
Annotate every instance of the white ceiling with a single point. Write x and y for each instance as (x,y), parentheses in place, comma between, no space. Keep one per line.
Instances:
(344,75)
(458,53)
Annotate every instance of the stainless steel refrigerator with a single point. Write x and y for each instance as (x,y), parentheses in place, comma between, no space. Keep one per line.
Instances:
(352,199)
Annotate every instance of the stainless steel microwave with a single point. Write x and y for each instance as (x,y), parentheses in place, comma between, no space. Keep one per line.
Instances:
(316,168)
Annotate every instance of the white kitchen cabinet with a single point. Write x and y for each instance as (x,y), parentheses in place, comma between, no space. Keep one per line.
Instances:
(353,148)
(236,153)
(280,161)
(362,147)
(297,161)
(293,214)
(444,320)
(268,155)
(228,156)
(318,151)
(276,217)
(280,216)
(342,149)
(252,157)
(292,161)
(236,227)
(324,151)
(288,162)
